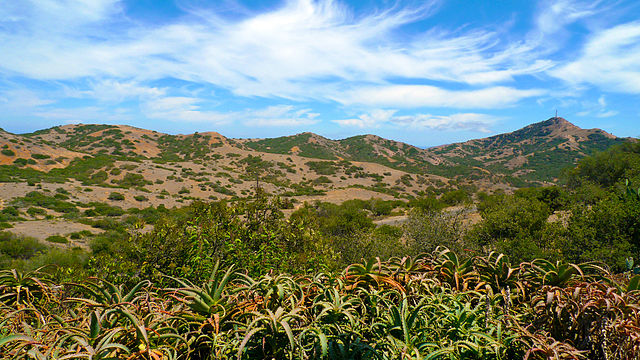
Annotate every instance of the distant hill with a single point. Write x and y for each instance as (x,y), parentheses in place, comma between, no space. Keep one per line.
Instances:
(535,154)
(308,166)
(34,153)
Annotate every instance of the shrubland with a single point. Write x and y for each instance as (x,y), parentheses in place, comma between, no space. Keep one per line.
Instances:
(543,273)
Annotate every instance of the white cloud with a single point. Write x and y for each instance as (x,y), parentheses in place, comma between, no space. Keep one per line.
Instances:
(609,60)
(460,121)
(279,115)
(182,109)
(555,14)
(87,114)
(113,90)
(190,109)
(21,99)
(411,96)
(597,108)
(303,50)
(607,114)
(602,101)
(369,120)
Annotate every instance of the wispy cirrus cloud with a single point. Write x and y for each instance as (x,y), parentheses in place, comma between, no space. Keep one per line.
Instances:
(609,60)
(598,109)
(412,96)
(453,122)
(279,115)
(189,109)
(297,56)
(373,119)
(303,50)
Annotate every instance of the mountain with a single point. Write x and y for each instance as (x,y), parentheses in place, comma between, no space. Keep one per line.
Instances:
(535,154)
(91,159)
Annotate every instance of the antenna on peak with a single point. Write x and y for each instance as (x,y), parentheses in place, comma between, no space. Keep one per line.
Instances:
(556,113)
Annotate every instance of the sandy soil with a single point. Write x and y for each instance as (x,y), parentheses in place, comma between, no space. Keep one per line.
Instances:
(392,220)
(41,229)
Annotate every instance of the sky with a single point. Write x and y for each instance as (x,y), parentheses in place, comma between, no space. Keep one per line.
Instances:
(423,72)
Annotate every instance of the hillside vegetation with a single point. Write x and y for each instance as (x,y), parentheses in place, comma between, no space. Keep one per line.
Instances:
(447,272)
(534,155)
(545,273)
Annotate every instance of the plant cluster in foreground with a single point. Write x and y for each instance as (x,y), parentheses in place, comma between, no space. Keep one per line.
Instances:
(428,307)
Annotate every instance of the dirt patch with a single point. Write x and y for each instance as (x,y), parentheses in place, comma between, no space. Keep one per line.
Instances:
(41,229)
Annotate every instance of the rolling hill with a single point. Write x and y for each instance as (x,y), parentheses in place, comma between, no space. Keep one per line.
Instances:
(306,165)
(88,174)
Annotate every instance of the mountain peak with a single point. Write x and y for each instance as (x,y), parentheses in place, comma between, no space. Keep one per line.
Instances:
(559,122)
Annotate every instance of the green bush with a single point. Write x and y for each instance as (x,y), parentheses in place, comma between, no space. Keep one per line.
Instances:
(321,180)
(133,180)
(516,226)
(455,197)
(140,198)
(19,247)
(322,167)
(40,156)
(35,211)
(48,202)
(58,239)
(20,162)
(116,196)
(62,191)
(103,209)
(8,152)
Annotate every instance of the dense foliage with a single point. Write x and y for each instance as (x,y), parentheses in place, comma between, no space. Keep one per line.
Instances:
(239,279)
(426,307)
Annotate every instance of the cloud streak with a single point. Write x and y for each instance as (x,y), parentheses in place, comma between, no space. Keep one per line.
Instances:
(413,96)
(421,122)
(302,50)
(609,60)
(278,66)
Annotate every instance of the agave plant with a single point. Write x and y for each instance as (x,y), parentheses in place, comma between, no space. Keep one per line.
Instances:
(96,342)
(403,269)
(371,273)
(107,295)
(272,292)
(586,315)
(209,299)
(406,326)
(541,272)
(22,288)
(333,307)
(459,274)
(277,336)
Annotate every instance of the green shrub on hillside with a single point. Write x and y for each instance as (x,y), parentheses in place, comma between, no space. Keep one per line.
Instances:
(608,167)
(58,239)
(133,180)
(36,198)
(115,196)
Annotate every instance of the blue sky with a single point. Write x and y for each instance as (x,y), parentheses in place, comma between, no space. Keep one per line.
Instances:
(422,72)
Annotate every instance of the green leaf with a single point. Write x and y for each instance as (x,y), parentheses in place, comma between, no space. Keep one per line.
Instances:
(634,283)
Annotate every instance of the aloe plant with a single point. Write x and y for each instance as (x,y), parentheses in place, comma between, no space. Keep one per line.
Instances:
(427,307)
(461,275)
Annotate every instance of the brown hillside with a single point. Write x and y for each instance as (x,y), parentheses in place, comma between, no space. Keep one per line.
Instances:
(40,156)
